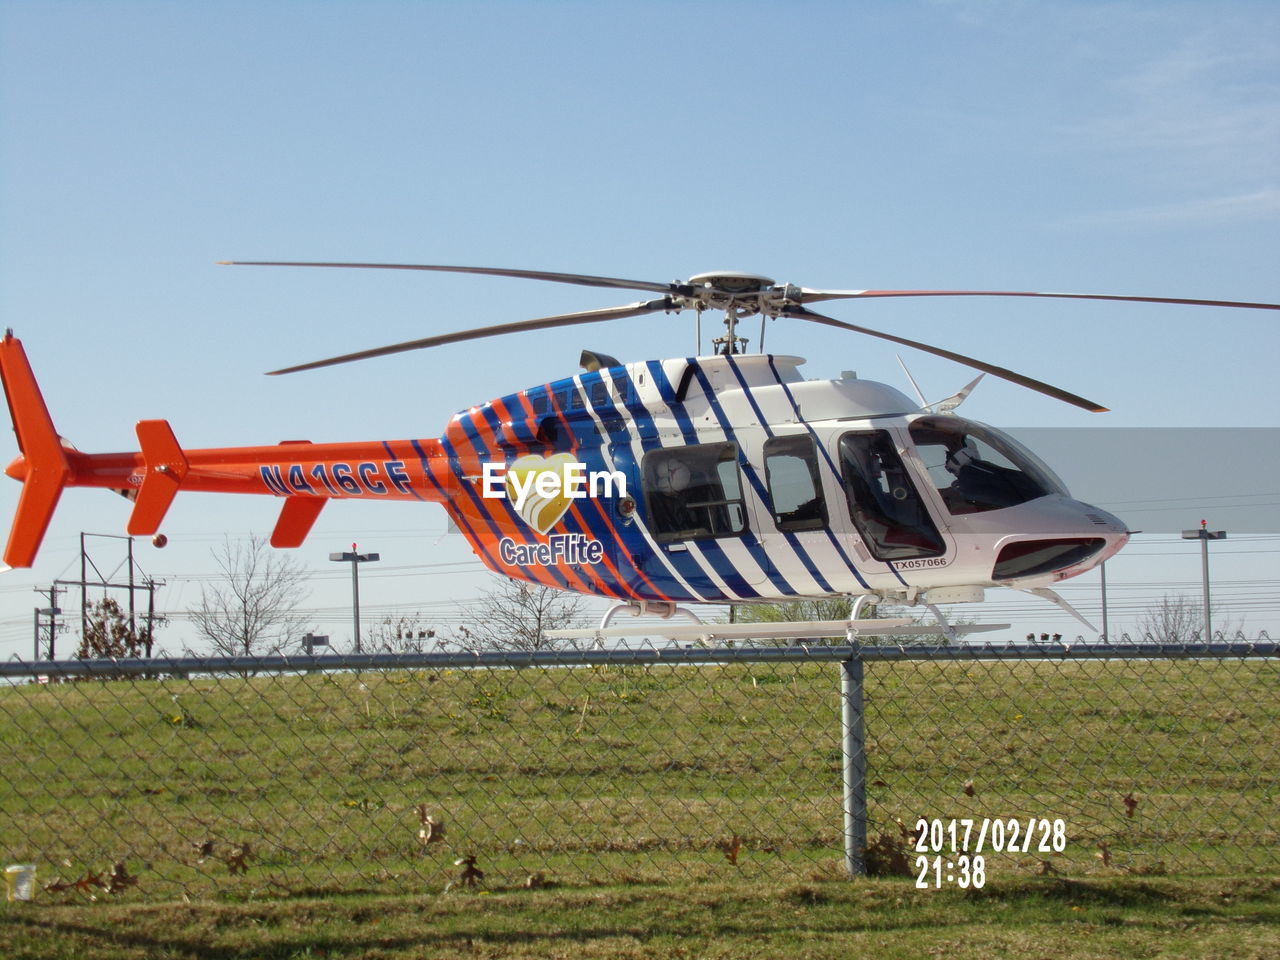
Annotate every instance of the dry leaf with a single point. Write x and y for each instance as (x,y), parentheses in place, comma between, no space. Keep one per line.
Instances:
(918,834)
(908,836)
(432,829)
(1130,804)
(237,862)
(968,788)
(87,882)
(471,874)
(886,857)
(732,848)
(120,879)
(1104,853)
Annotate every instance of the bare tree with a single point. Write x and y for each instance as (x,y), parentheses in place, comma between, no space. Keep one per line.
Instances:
(1179,619)
(404,635)
(250,609)
(514,615)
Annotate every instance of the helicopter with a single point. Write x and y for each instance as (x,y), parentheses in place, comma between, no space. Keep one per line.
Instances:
(661,485)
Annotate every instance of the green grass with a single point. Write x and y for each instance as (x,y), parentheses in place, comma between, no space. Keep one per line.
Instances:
(621,777)
(889,919)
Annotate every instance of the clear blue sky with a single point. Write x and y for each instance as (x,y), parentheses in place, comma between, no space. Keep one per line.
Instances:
(1098,147)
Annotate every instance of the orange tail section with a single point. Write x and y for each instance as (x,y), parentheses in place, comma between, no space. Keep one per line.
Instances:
(164,466)
(304,475)
(43,466)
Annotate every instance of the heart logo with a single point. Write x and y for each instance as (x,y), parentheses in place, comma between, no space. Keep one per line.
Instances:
(536,509)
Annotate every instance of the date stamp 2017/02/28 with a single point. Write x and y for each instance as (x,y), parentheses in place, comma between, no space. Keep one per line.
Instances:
(966,841)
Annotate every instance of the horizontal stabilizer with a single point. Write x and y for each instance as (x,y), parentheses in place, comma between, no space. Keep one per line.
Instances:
(296,519)
(165,466)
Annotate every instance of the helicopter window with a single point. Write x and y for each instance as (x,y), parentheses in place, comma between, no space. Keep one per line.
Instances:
(539,403)
(576,401)
(884,504)
(977,468)
(599,394)
(795,491)
(694,492)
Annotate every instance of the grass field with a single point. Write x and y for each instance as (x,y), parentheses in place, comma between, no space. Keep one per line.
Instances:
(653,810)
(888,919)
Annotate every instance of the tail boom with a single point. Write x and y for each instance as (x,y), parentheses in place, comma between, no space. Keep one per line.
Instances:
(306,475)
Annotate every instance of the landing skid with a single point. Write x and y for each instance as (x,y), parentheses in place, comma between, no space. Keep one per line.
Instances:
(707,633)
(646,609)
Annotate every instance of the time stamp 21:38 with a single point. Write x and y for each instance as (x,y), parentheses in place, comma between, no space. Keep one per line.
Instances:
(953,851)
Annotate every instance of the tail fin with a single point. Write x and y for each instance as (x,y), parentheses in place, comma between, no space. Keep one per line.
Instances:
(165,466)
(43,467)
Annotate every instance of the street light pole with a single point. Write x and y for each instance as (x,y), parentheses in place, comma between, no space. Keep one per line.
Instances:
(1204,536)
(1106,631)
(355,559)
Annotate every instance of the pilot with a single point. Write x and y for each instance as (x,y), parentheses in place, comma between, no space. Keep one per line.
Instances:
(983,485)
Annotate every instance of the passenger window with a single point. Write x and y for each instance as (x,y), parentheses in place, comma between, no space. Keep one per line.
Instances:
(883,502)
(694,493)
(795,488)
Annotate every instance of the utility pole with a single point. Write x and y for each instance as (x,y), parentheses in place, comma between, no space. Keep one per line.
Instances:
(1204,536)
(50,629)
(131,584)
(1102,569)
(355,559)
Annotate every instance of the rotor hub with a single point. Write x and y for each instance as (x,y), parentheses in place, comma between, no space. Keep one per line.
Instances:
(739,295)
(731,282)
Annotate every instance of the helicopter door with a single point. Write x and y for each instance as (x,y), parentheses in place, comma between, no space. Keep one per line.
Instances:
(884,504)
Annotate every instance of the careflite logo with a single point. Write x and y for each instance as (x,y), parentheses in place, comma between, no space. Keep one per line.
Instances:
(541,490)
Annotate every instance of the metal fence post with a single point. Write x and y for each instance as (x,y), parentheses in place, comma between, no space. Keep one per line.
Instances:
(854,752)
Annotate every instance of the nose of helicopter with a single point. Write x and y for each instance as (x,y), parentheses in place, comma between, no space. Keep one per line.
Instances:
(1064,539)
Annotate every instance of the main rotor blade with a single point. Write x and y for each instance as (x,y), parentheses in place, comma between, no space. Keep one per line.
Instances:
(582,279)
(1036,385)
(814,296)
(518,326)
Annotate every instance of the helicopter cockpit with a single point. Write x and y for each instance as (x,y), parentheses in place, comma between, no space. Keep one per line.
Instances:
(977,468)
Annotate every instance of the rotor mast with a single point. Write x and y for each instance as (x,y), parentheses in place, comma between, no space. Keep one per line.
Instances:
(739,295)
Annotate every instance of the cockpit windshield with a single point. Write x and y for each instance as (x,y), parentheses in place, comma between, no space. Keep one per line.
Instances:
(977,468)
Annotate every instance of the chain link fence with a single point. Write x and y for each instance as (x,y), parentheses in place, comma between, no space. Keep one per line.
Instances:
(244,778)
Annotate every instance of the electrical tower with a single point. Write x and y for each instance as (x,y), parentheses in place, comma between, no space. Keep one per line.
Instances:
(134,583)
